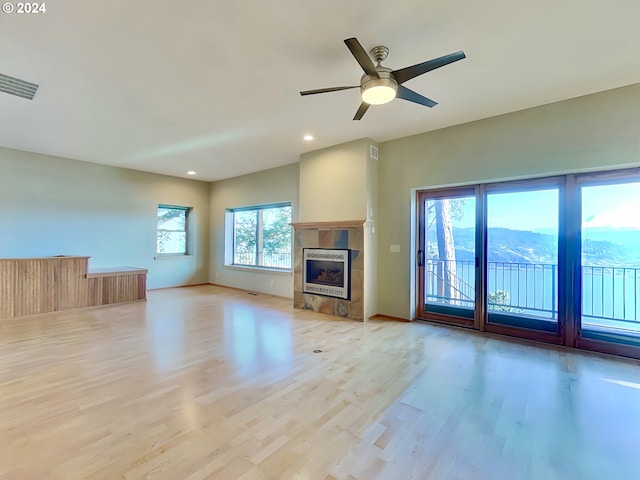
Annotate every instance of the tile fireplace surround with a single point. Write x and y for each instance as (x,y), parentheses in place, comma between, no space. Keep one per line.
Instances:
(342,235)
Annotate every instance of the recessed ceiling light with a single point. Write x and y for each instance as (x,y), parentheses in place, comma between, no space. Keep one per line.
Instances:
(191,172)
(308,137)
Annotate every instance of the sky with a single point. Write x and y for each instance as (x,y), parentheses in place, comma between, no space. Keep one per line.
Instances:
(612,206)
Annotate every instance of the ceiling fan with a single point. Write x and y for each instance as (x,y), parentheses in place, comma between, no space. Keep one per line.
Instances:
(380,84)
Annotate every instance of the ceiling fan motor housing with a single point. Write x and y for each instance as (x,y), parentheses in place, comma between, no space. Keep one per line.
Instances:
(371,87)
(379,53)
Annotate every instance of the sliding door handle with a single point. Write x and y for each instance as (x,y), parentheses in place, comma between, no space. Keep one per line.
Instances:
(421,258)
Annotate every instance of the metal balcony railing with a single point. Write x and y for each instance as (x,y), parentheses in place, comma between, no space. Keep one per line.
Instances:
(609,293)
(263,259)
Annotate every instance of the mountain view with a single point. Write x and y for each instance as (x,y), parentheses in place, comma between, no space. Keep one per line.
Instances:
(602,246)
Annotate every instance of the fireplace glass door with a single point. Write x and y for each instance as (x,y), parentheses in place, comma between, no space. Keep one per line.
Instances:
(326,271)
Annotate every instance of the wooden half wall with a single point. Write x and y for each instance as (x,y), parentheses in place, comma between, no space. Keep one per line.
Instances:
(29,286)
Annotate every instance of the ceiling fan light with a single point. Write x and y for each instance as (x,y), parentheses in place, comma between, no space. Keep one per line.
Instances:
(377,91)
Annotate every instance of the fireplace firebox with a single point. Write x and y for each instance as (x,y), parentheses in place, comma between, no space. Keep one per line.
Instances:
(326,272)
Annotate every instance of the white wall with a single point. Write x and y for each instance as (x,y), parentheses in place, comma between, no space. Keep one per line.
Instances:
(595,132)
(54,206)
(269,186)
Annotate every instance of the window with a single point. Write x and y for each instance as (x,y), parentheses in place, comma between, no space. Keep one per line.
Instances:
(173,223)
(260,236)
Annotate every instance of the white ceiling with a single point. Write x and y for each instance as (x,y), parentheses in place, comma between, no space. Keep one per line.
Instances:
(168,86)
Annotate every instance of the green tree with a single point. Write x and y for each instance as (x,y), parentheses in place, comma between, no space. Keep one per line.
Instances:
(442,212)
(456,209)
(263,237)
(277,232)
(244,240)
(171,226)
(500,301)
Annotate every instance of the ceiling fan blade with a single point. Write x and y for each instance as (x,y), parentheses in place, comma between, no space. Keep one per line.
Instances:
(362,57)
(361,111)
(405,94)
(407,73)
(325,90)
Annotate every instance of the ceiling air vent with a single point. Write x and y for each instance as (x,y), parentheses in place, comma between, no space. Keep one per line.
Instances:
(17,87)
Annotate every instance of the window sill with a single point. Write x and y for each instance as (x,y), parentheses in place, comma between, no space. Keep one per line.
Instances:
(169,256)
(253,268)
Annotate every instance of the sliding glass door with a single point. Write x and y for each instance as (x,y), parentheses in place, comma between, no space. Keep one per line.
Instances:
(555,259)
(447,255)
(610,261)
(522,256)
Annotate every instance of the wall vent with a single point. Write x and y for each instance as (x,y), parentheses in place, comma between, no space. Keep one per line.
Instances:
(373,152)
(17,87)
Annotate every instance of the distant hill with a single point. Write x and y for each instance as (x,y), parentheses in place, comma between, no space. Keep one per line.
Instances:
(623,244)
(625,237)
(606,247)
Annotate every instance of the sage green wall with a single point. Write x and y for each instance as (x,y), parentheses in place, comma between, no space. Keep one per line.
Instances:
(50,205)
(333,183)
(371,238)
(340,183)
(595,132)
(53,206)
(265,187)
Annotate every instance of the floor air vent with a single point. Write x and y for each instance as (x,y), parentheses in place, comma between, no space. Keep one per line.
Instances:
(17,87)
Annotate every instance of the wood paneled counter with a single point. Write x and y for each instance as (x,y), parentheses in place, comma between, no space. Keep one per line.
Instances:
(30,286)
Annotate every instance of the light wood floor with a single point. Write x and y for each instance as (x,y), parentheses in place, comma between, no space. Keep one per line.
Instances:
(207,382)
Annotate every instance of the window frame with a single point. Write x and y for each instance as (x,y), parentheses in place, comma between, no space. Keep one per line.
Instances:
(187,230)
(230,243)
